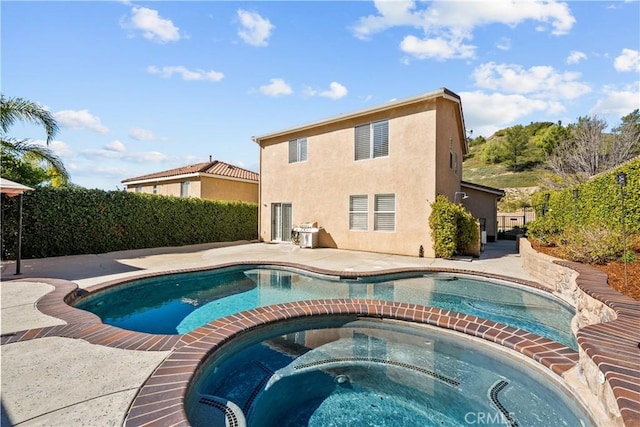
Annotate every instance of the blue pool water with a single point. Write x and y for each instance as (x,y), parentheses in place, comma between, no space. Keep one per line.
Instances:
(180,303)
(348,372)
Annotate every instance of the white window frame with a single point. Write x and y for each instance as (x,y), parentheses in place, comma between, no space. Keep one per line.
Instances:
(359,213)
(298,150)
(380,214)
(363,153)
(155,189)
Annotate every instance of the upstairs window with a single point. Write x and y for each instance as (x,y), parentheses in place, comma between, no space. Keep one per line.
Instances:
(155,189)
(138,188)
(359,213)
(372,140)
(384,212)
(298,150)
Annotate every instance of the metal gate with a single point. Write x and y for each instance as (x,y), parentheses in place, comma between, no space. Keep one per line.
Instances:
(512,223)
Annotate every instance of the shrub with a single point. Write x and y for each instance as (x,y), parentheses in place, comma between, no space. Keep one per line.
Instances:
(492,153)
(453,228)
(592,245)
(545,231)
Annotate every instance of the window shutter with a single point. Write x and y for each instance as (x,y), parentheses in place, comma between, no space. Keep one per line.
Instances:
(384,218)
(358,212)
(363,142)
(381,139)
(302,149)
(293,151)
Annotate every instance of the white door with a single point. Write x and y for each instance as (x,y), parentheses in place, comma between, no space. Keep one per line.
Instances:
(281,224)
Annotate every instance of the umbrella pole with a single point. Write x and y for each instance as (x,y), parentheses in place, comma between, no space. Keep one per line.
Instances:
(19,252)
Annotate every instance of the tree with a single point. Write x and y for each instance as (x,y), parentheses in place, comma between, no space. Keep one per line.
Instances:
(25,150)
(549,138)
(21,171)
(587,150)
(515,145)
(626,139)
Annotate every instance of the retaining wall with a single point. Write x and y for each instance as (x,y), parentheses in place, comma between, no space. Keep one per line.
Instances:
(606,326)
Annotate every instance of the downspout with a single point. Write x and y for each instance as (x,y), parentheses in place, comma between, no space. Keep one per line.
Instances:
(259,189)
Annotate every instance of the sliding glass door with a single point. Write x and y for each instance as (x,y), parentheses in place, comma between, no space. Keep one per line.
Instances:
(281,222)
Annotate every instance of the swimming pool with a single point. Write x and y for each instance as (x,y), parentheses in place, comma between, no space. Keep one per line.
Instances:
(180,303)
(345,371)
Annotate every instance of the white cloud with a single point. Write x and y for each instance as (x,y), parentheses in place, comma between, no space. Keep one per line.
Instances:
(116,146)
(447,26)
(80,119)
(437,48)
(336,91)
(152,25)
(618,101)
(486,113)
(575,57)
(60,148)
(542,81)
(276,87)
(504,44)
(186,74)
(135,157)
(255,30)
(140,134)
(628,60)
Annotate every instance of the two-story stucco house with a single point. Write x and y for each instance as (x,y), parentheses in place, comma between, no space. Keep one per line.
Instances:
(213,180)
(367,178)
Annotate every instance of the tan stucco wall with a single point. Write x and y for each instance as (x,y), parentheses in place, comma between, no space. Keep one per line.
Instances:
(319,188)
(448,135)
(206,188)
(168,187)
(225,189)
(483,205)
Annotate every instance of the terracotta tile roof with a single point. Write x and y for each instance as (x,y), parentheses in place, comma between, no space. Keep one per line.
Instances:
(215,167)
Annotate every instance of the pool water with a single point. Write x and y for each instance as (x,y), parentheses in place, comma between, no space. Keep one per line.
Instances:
(377,373)
(180,303)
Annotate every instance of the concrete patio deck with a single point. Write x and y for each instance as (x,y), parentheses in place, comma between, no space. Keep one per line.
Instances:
(64,381)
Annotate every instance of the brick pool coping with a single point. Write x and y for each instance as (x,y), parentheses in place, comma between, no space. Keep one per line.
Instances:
(613,346)
(161,398)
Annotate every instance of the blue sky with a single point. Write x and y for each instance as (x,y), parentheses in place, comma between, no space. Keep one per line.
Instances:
(140,87)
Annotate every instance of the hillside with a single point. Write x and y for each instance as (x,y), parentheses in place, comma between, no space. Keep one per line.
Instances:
(519,159)
(518,185)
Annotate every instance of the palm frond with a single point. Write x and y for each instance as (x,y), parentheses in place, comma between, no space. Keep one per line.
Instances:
(36,152)
(14,109)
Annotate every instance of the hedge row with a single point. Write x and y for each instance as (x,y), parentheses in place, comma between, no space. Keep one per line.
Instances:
(74,221)
(595,203)
(453,228)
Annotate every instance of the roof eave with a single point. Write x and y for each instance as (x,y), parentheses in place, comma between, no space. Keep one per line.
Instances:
(496,191)
(442,92)
(188,175)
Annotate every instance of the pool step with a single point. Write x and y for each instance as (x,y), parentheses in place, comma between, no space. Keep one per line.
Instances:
(212,410)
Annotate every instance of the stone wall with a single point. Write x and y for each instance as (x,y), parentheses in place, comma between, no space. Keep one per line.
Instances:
(589,311)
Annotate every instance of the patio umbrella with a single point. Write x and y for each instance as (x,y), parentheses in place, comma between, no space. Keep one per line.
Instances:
(12,189)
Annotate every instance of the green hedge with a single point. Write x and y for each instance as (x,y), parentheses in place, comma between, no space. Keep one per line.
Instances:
(598,203)
(453,228)
(76,221)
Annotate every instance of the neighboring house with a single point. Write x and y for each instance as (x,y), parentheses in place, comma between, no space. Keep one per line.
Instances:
(367,178)
(214,180)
